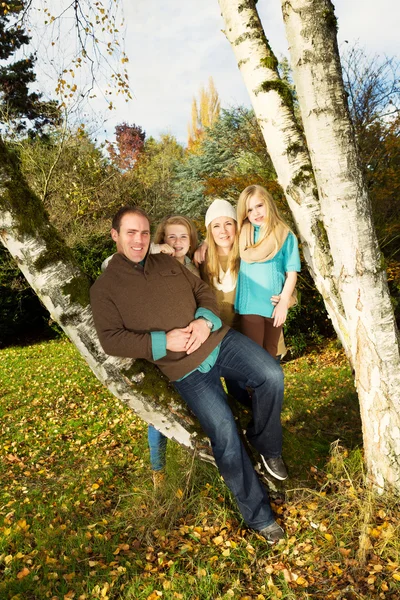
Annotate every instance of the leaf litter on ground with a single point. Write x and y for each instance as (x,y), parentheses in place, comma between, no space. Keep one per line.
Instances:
(79,518)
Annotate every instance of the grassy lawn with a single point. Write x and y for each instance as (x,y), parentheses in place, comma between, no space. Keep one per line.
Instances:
(79,518)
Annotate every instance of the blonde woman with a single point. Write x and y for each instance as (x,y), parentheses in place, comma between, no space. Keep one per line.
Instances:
(221,267)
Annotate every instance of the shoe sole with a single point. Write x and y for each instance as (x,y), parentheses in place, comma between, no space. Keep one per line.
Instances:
(270,471)
(273,543)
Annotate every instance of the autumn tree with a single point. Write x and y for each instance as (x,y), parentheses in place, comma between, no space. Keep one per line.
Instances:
(205,111)
(52,271)
(129,142)
(151,182)
(78,186)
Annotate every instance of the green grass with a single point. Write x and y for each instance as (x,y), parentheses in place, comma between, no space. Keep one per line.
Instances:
(79,517)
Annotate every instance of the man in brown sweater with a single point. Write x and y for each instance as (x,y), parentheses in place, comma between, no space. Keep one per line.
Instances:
(150,306)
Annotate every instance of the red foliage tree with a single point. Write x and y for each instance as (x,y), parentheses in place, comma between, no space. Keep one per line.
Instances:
(129,142)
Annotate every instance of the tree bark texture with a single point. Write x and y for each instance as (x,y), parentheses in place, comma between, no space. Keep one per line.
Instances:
(357,267)
(334,219)
(50,270)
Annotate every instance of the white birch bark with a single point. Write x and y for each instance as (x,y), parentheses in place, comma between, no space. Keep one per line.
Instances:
(346,213)
(341,252)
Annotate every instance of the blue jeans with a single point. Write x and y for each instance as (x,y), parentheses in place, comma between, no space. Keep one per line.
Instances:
(158,447)
(158,442)
(242,360)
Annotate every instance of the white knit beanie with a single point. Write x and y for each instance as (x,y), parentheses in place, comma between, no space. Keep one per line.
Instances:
(220,208)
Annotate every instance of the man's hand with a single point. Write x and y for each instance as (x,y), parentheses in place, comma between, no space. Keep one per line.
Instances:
(199,332)
(200,255)
(177,339)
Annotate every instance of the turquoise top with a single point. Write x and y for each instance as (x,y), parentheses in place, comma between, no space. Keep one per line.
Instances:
(257,282)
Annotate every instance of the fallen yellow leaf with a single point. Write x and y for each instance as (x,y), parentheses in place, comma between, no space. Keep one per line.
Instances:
(25,571)
(375,533)
(384,586)
(218,540)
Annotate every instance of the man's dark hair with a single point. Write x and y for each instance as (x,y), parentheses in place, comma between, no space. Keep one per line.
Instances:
(124,210)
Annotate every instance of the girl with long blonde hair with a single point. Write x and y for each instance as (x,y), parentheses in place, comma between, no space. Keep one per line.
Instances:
(269,262)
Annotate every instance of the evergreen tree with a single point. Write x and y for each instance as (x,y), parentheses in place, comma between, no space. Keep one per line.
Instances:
(20,108)
(230,156)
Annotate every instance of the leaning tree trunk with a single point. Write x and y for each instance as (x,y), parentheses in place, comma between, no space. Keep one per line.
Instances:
(345,207)
(51,271)
(335,223)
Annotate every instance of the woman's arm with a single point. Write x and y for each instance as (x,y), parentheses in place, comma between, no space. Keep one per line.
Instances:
(161,248)
(200,254)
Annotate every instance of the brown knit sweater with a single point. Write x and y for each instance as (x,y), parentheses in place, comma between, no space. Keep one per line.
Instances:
(129,302)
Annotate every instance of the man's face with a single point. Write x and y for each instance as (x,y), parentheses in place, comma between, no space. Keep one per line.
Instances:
(133,238)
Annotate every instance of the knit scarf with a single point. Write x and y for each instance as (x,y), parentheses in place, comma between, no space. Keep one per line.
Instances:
(227,282)
(264,249)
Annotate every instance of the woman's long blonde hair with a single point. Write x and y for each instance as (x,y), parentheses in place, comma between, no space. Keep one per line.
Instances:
(212,264)
(159,236)
(273,218)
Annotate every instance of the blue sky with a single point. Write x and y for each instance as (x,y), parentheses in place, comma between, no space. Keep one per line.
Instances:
(174,46)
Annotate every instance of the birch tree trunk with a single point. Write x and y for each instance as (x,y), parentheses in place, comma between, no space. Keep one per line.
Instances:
(346,213)
(335,224)
(49,268)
